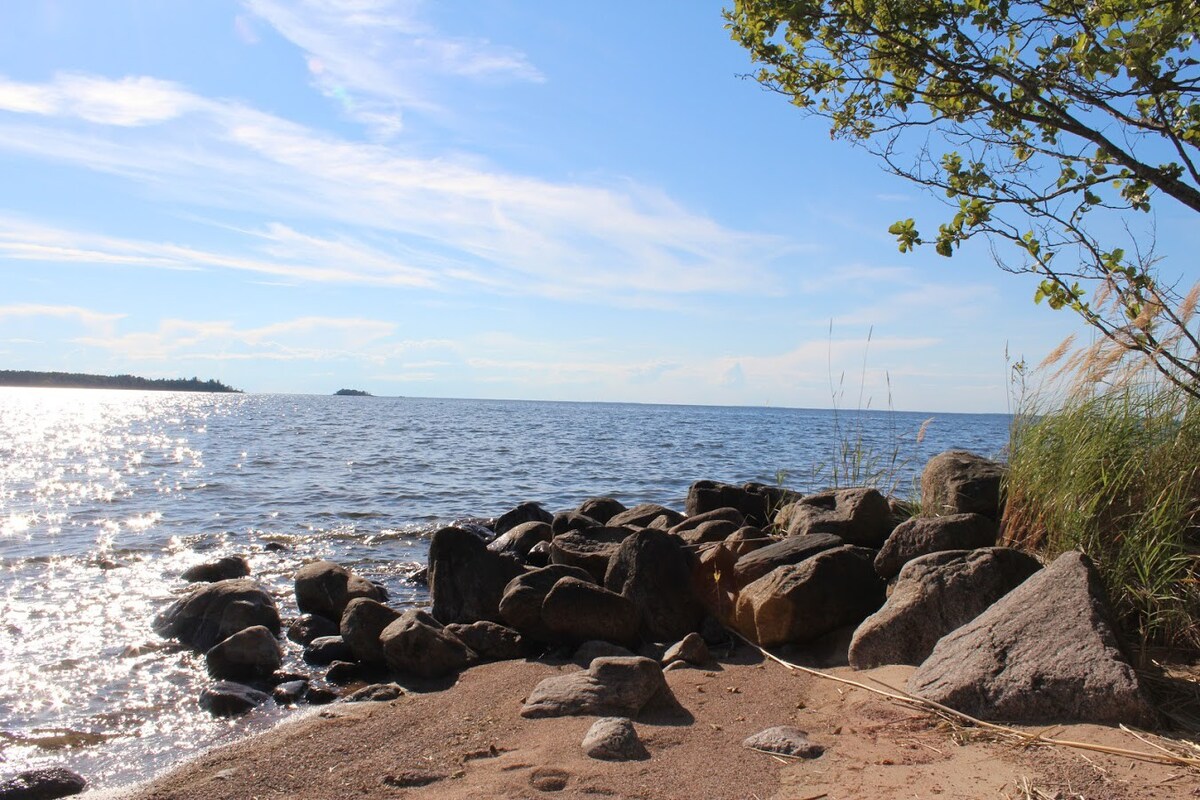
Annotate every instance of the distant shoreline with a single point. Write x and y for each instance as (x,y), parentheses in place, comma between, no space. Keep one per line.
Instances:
(78,380)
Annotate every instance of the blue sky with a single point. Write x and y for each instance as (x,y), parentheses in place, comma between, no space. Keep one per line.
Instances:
(543,200)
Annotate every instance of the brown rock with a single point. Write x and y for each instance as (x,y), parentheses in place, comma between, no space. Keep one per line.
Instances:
(578,611)
(960,482)
(610,687)
(923,535)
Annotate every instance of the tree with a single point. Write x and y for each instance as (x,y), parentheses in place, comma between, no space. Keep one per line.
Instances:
(1046,125)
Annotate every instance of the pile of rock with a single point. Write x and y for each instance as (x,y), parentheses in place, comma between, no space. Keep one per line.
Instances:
(634,590)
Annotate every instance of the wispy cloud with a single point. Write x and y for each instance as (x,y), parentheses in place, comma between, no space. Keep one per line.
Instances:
(86,316)
(128,102)
(379,58)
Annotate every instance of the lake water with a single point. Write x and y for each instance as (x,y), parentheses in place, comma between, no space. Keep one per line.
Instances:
(107,496)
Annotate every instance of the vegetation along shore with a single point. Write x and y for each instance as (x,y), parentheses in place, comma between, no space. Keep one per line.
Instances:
(77,380)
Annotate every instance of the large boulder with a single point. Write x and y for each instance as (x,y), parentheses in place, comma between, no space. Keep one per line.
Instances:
(525,512)
(579,611)
(589,549)
(756,502)
(799,602)
(610,687)
(859,516)
(727,514)
(923,535)
(654,573)
(362,622)
(790,550)
(417,644)
(601,509)
(519,540)
(521,603)
(307,627)
(325,650)
(961,482)
(466,580)
(643,515)
(715,530)
(324,588)
(1046,652)
(747,539)
(246,655)
(489,640)
(223,569)
(212,612)
(934,595)
(713,582)
(572,521)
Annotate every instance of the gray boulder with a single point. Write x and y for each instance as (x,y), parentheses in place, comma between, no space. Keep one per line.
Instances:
(961,482)
(222,569)
(327,649)
(579,611)
(521,603)
(601,509)
(213,612)
(922,535)
(489,640)
(573,521)
(589,549)
(324,588)
(691,649)
(643,515)
(860,516)
(520,539)
(784,740)
(654,573)
(610,687)
(790,550)
(934,595)
(756,502)
(247,654)
(799,602)
(1046,652)
(466,580)
(228,699)
(42,784)
(417,644)
(307,627)
(614,739)
(362,622)
(525,512)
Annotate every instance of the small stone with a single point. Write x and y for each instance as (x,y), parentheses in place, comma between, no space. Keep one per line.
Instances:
(228,699)
(614,739)
(411,779)
(343,672)
(307,627)
(219,570)
(328,649)
(690,648)
(376,693)
(319,693)
(42,784)
(786,741)
(289,692)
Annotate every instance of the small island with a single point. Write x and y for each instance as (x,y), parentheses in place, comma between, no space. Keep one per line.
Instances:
(78,380)
(351,393)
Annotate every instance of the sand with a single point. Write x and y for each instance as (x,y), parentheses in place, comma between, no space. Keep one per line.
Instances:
(469,741)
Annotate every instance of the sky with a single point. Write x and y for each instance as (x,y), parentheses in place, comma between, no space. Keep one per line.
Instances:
(485,198)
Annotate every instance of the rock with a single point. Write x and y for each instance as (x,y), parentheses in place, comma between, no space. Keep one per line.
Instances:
(860,516)
(934,595)
(376,693)
(520,539)
(307,627)
(922,535)
(610,687)
(327,649)
(756,502)
(653,572)
(691,649)
(289,693)
(222,569)
(549,779)
(717,530)
(525,512)
(791,550)
(799,602)
(614,739)
(960,482)
(786,741)
(319,693)
(644,514)
(694,521)
(417,644)
(341,673)
(247,654)
(601,509)
(228,699)
(715,634)
(572,521)
(588,652)
(590,549)
(747,539)
(538,555)
(212,612)
(521,603)
(490,640)
(1046,652)
(713,582)
(324,588)
(362,622)
(42,784)
(466,580)
(579,611)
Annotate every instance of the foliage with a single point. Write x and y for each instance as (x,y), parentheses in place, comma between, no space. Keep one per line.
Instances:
(1044,123)
(76,380)
(1115,473)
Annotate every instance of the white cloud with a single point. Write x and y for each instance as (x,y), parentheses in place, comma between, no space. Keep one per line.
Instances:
(86,316)
(128,102)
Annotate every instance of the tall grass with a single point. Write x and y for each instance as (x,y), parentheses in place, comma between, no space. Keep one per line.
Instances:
(1114,470)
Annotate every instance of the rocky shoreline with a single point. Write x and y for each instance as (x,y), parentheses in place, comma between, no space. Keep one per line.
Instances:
(633,595)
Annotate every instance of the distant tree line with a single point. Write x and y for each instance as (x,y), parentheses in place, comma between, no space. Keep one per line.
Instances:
(76,380)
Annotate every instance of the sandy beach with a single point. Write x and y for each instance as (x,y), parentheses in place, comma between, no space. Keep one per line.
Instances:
(469,741)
